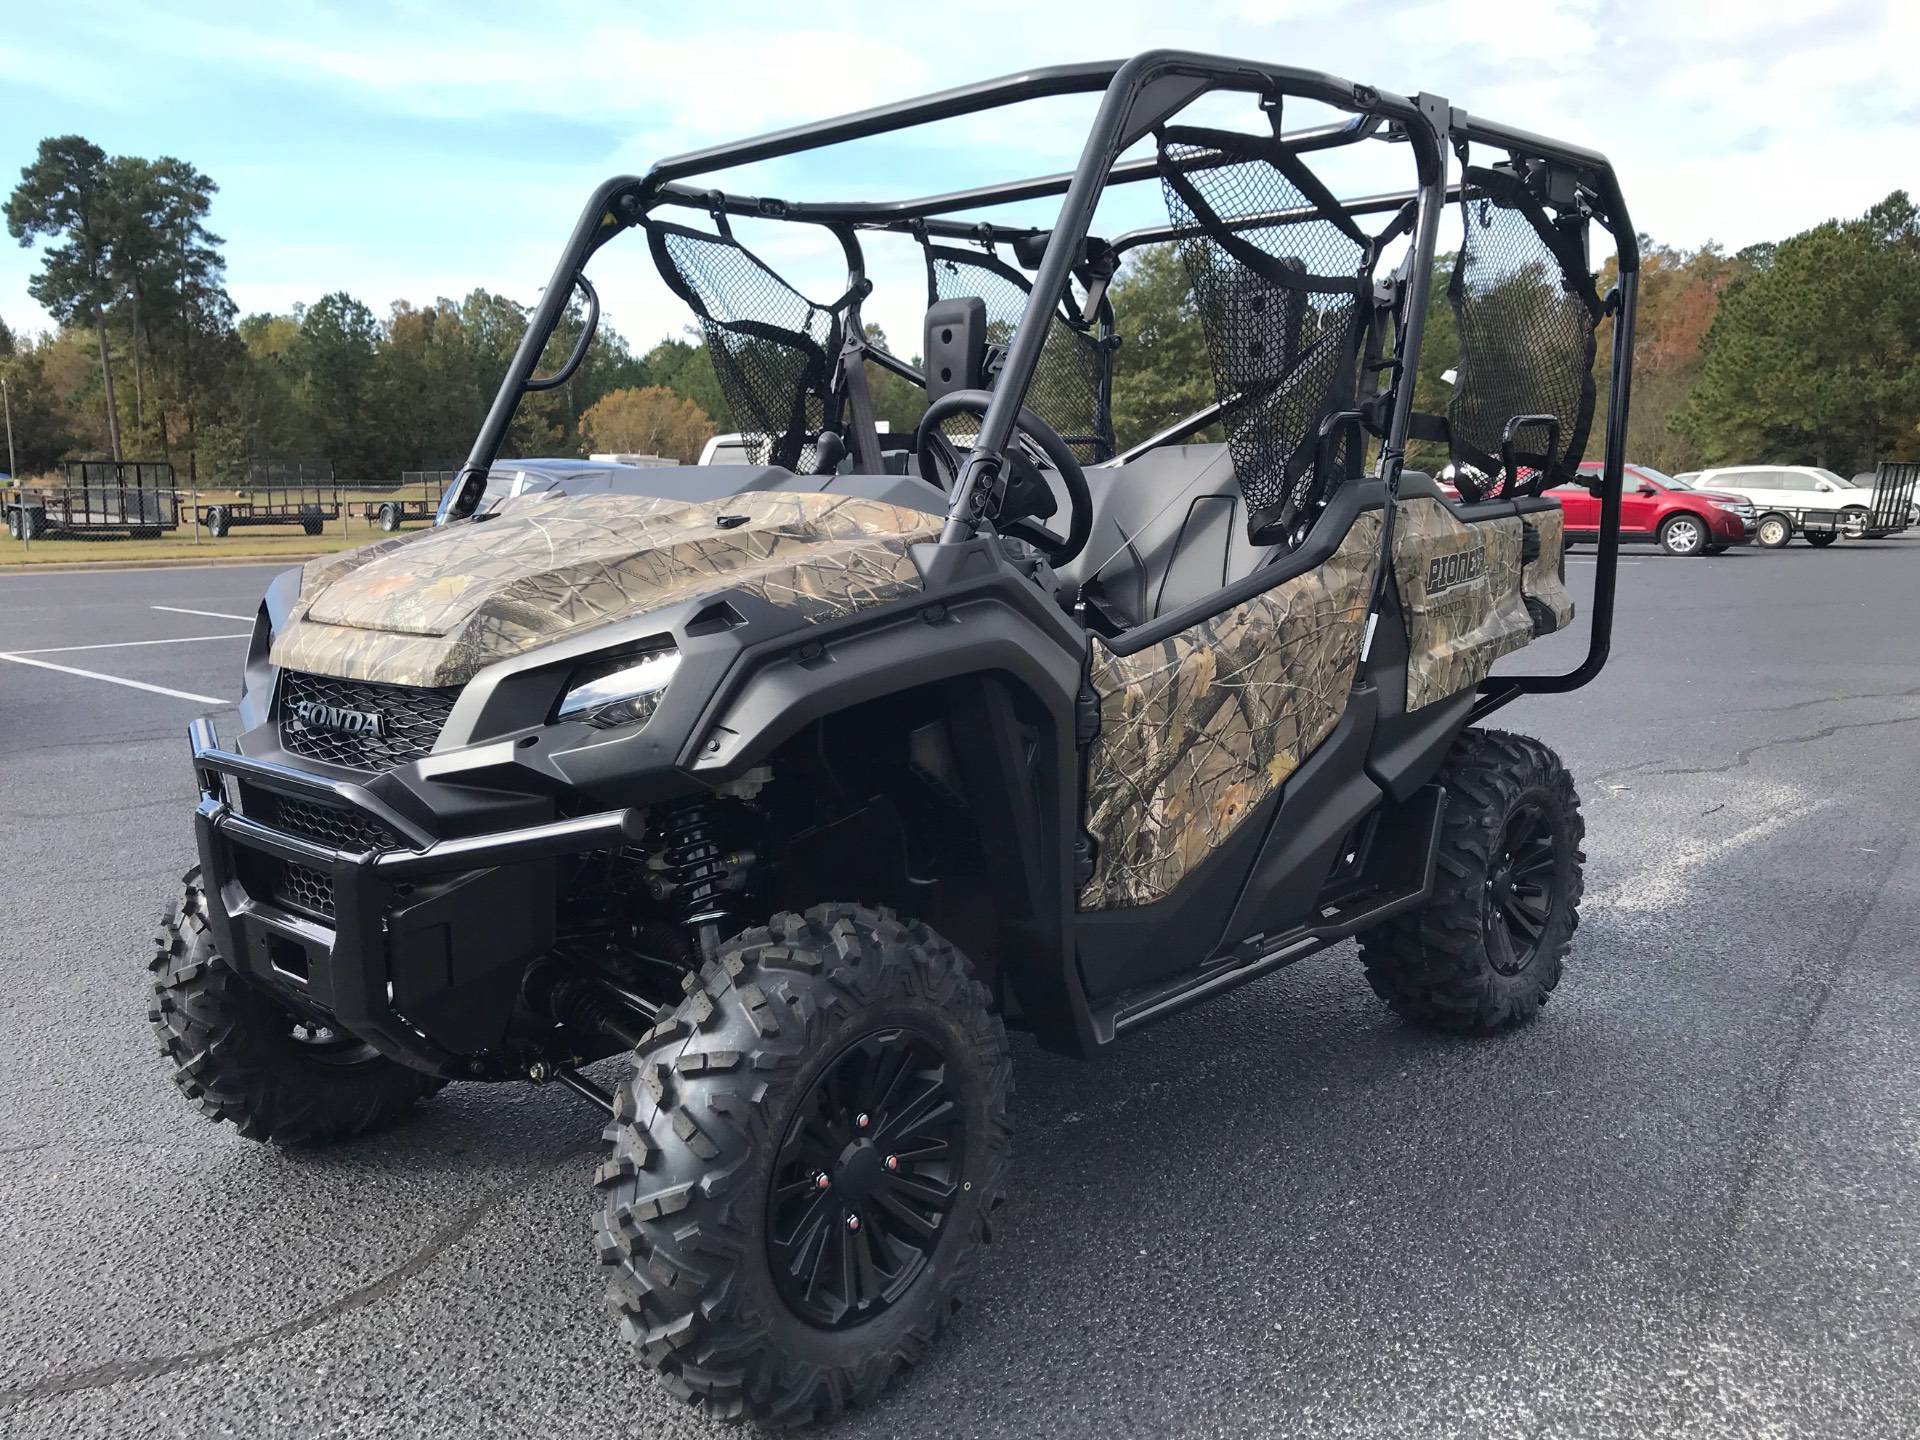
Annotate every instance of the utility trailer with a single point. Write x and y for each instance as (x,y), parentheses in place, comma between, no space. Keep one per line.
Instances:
(281,492)
(102,499)
(415,499)
(1892,511)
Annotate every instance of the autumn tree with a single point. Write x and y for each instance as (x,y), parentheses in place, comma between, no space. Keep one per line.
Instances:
(650,420)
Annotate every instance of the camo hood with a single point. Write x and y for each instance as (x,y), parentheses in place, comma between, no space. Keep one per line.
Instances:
(434,607)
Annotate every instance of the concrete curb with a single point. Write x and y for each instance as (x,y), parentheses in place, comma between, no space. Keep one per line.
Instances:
(57,568)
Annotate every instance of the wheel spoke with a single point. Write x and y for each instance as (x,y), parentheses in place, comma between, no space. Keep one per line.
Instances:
(1533,858)
(935,1194)
(928,1107)
(918,1228)
(1530,927)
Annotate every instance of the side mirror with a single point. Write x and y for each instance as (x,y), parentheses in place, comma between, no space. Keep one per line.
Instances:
(1645,489)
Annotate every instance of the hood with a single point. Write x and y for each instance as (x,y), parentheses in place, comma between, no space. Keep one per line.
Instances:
(434,607)
(1725,497)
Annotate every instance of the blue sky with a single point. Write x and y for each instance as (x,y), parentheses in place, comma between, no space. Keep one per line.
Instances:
(417,150)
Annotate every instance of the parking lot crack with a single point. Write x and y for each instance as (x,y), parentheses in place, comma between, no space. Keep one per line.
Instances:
(1744,756)
(118,1372)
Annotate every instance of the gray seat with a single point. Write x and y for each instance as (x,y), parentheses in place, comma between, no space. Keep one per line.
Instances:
(1168,528)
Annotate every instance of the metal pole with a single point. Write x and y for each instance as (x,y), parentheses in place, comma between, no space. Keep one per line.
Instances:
(7,396)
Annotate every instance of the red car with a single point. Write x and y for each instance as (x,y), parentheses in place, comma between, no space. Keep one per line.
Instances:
(1655,506)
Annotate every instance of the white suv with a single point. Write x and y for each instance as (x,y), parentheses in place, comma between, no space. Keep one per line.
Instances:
(1817,503)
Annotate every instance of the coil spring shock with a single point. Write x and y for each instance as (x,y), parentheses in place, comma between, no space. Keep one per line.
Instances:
(694,871)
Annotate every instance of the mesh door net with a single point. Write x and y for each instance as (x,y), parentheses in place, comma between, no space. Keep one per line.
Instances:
(1526,311)
(1280,301)
(773,349)
(1069,389)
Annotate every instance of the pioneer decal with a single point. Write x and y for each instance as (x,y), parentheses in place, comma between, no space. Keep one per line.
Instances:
(1446,571)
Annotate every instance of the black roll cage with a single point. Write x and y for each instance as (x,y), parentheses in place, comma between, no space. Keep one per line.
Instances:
(1137,96)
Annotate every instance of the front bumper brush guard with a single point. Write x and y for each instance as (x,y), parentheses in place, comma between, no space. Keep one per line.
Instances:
(360,971)
(431,857)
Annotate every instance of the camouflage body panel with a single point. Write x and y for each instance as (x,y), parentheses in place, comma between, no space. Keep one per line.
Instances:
(1460,592)
(1543,579)
(433,608)
(1196,731)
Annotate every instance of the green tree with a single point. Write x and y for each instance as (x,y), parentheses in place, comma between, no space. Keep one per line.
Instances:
(1814,354)
(686,368)
(1161,372)
(332,358)
(65,193)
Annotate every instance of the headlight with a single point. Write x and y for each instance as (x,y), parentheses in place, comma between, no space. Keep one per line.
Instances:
(1727,505)
(625,690)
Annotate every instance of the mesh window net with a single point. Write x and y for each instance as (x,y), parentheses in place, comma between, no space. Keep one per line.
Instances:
(1526,314)
(1069,382)
(773,349)
(1280,304)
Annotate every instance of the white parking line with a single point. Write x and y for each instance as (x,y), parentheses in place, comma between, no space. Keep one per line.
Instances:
(125,644)
(209,614)
(117,680)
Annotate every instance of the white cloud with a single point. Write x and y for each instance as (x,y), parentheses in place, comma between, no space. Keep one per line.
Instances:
(1735,122)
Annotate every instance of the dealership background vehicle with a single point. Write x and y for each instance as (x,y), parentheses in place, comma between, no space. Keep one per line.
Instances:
(1683,520)
(1794,499)
(800,780)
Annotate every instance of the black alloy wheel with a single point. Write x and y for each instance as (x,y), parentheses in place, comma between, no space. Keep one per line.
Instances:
(865,1179)
(1520,897)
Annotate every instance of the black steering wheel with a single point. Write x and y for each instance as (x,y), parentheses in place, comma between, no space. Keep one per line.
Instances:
(1028,494)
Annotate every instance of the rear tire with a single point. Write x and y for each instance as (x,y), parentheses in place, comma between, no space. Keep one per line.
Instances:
(1487,949)
(242,1057)
(794,1027)
(219,521)
(1684,535)
(1772,532)
(389,517)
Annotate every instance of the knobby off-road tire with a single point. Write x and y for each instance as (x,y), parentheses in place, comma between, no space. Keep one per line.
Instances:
(1461,963)
(240,1057)
(687,1223)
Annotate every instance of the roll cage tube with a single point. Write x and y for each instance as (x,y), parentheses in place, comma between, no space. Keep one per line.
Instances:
(1147,90)
(1137,96)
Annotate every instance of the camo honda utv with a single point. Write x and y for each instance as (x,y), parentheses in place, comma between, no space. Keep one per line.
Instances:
(804,781)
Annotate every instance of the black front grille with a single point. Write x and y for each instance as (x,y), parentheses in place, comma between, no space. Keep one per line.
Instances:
(302,888)
(335,826)
(410,720)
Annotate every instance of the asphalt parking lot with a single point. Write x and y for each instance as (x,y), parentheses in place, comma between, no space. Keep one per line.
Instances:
(1681,1204)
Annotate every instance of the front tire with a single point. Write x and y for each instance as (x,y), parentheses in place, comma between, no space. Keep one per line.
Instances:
(804,1165)
(1487,949)
(242,1057)
(1684,535)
